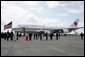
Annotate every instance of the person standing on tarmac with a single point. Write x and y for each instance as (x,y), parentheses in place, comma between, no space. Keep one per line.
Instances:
(30,36)
(57,36)
(11,35)
(5,35)
(81,34)
(8,35)
(51,35)
(17,35)
(40,36)
(46,36)
(34,36)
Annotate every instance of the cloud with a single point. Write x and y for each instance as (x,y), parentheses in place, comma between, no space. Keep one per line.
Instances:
(30,18)
(63,14)
(76,7)
(75,11)
(38,9)
(37,20)
(51,22)
(12,12)
(19,15)
(31,3)
(53,4)
(34,19)
(81,24)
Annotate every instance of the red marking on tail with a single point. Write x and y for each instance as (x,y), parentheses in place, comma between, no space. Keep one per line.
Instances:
(75,23)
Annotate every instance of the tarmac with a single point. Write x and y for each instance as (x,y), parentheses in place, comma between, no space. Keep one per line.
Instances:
(64,46)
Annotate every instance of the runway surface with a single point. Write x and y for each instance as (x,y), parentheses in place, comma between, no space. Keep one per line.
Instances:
(64,46)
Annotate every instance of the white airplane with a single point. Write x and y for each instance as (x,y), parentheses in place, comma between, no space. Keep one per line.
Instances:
(42,29)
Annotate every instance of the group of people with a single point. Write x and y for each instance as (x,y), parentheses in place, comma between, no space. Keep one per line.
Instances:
(37,36)
(10,35)
(7,35)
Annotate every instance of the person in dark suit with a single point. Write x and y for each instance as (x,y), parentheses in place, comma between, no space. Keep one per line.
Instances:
(81,34)
(46,36)
(5,35)
(40,36)
(11,35)
(30,36)
(57,36)
(51,35)
(17,35)
(34,36)
(8,35)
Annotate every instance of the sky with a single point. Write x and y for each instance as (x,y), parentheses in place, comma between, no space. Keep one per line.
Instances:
(47,13)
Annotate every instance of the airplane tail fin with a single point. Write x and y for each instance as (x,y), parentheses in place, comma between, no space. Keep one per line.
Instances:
(75,23)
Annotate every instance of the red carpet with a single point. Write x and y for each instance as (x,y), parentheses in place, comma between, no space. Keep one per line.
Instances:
(23,39)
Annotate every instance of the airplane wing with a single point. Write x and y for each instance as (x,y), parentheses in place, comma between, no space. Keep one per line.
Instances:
(75,28)
(66,30)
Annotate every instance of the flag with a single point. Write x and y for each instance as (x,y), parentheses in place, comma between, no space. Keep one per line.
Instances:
(9,25)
